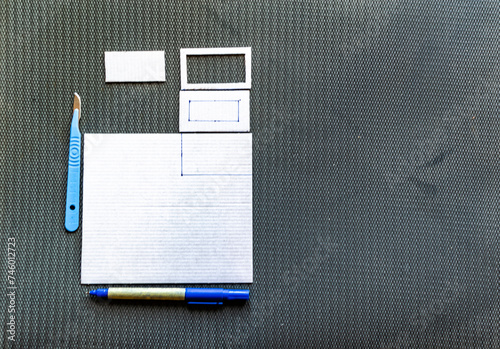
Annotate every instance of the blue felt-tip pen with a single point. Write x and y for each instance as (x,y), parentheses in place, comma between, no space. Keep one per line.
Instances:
(212,296)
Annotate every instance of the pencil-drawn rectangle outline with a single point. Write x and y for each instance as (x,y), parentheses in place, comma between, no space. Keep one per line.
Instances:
(237,119)
(210,123)
(183,173)
(223,51)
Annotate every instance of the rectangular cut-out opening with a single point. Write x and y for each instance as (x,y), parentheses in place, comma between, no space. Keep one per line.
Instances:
(215,69)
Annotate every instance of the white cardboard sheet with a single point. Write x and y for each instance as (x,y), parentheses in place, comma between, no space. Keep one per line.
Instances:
(135,66)
(214,111)
(167,208)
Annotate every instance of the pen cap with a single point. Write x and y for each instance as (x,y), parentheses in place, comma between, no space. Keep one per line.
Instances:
(233,295)
(204,295)
(215,295)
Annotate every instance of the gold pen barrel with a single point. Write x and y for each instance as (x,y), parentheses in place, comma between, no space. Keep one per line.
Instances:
(165,294)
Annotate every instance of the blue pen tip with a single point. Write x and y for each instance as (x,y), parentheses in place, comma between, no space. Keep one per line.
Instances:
(100,292)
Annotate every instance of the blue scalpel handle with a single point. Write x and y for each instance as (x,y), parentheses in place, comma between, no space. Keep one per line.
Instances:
(73,189)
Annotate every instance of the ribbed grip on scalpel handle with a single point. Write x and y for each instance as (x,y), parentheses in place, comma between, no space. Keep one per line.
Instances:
(73,188)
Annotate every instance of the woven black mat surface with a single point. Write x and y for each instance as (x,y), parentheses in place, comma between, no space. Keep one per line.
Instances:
(376,131)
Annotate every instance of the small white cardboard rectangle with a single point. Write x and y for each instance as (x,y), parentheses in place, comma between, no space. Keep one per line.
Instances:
(135,66)
(214,111)
(246,51)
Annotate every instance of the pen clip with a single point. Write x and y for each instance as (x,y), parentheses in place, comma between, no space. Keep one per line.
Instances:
(204,303)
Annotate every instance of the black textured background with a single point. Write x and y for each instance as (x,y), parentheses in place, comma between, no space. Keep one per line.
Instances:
(376,146)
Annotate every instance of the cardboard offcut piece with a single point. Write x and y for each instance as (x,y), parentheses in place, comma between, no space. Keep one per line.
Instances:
(135,66)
